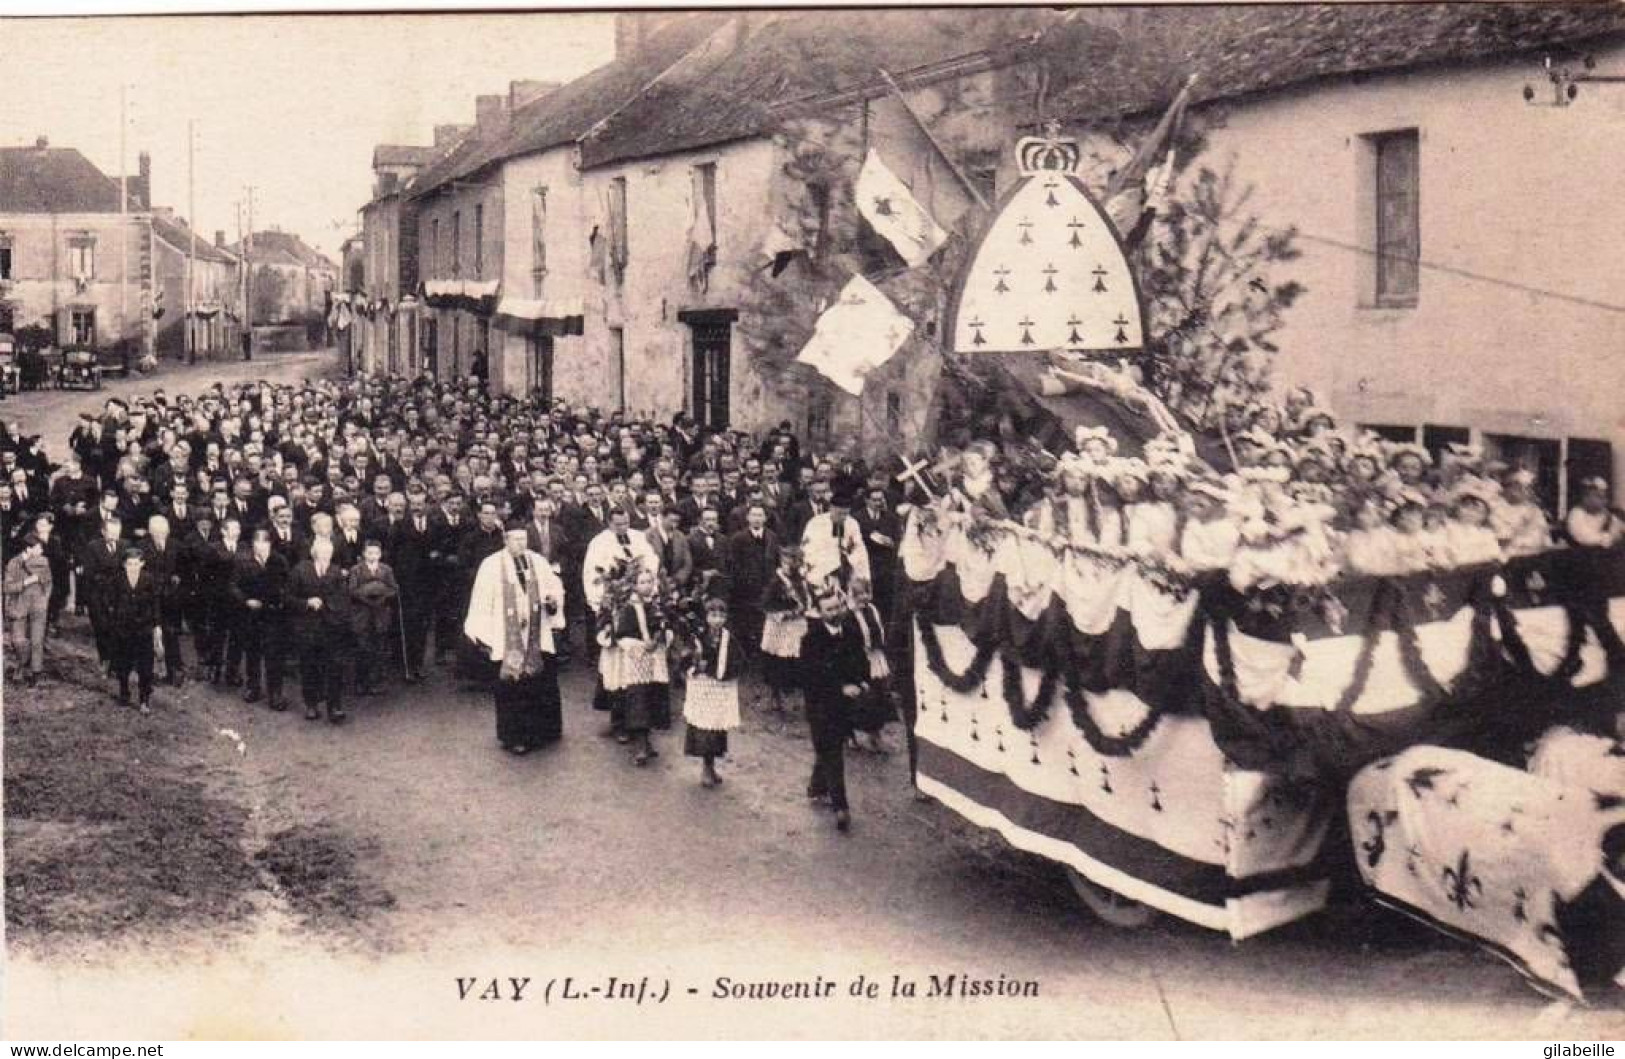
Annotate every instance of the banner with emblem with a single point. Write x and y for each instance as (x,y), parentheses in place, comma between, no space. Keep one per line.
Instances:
(856,335)
(895,214)
(1051,272)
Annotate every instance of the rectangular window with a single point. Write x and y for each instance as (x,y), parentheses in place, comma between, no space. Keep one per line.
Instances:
(457,243)
(82,259)
(894,412)
(1438,439)
(434,249)
(479,240)
(8,321)
(1398,216)
(619,242)
(820,413)
(82,327)
(1392,432)
(5,260)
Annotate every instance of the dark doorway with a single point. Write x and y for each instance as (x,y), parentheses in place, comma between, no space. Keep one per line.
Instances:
(712,359)
(1538,455)
(1588,458)
(541,368)
(431,347)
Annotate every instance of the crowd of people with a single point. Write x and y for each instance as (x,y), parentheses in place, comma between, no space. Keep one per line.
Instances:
(1304,503)
(339,528)
(363,531)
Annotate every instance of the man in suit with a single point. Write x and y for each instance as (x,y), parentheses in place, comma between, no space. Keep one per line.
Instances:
(130,611)
(347,537)
(408,550)
(449,524)
(832,689)
(704,544)
(666,537)
(752,556)
(804,510)
(882,531)
(161,557)
(286,539)
(319,607)
(259,584)
(99,562)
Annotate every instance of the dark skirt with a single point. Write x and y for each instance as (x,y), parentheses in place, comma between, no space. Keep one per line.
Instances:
(782,674)
(874,711)
(704,742)
(528,709)
(645,706)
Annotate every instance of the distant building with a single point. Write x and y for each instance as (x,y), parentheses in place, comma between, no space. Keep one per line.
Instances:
(387,309)
(289,281)
(69,261)
(214,317)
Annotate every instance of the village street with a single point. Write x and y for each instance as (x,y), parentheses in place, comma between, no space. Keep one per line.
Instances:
(569,862)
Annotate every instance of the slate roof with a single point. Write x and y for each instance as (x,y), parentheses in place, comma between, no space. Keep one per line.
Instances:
(1246,49)
(570,111)
(286,248)
(728,95)
(180,237)
(55,180)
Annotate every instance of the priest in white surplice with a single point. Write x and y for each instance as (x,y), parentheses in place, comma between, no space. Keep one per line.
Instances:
(515,610)
(832,544)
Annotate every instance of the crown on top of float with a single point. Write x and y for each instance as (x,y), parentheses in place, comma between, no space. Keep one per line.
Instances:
(1049,153)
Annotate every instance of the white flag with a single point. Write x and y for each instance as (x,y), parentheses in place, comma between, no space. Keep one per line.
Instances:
(856,335)
(892,211)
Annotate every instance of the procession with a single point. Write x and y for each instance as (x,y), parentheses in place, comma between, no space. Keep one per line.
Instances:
(930,503)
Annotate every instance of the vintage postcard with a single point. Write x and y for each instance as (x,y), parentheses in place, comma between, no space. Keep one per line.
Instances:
(892,523)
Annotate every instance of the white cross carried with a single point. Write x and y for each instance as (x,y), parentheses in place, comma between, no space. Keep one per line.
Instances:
(912,472)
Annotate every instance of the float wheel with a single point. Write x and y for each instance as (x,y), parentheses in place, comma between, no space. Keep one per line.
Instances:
(1109,905)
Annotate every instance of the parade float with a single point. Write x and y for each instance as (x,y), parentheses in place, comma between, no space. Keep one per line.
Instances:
(1185,739)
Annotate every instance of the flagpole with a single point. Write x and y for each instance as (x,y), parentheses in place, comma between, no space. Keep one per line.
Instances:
(953,166)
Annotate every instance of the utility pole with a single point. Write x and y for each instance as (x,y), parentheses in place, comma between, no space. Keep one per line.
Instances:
(247,246)
(191,249)
(123,214)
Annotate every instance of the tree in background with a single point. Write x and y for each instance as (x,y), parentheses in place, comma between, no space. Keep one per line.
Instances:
(267,294)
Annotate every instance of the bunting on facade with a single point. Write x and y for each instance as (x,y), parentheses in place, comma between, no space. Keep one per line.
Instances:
(856,335)
(893,212)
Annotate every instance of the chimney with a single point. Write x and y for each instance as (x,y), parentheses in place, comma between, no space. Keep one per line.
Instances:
(444,135)
(220,238)
(141,186)
(489,112)
(42,143)
(522,92)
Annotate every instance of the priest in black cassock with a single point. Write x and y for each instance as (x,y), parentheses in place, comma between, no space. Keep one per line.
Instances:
(833,688)
(516,608)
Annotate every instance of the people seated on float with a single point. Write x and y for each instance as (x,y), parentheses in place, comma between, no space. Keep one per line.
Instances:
(1364,463)
(1409,464)
(1209,538)
(1470,539)
(1519,523)
(1154,520)
(1436,535)
(1370,548)
(1592,523)
(1413,545)
(976,491)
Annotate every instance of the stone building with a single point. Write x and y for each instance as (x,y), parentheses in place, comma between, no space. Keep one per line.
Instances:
(69,260)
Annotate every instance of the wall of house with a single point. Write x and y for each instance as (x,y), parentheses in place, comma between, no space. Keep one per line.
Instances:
(1508,192)
(213,286)
(460,332)
(580,371)
(645,306)
(43,289)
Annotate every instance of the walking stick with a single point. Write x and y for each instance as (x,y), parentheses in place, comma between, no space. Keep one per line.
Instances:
(400,622)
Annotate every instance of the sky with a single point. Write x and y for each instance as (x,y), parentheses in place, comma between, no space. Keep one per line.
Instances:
(291,104)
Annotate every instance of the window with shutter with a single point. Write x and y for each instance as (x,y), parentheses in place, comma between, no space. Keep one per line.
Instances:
(1398,217)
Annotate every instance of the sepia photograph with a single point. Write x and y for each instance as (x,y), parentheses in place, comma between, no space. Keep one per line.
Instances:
(880,523)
